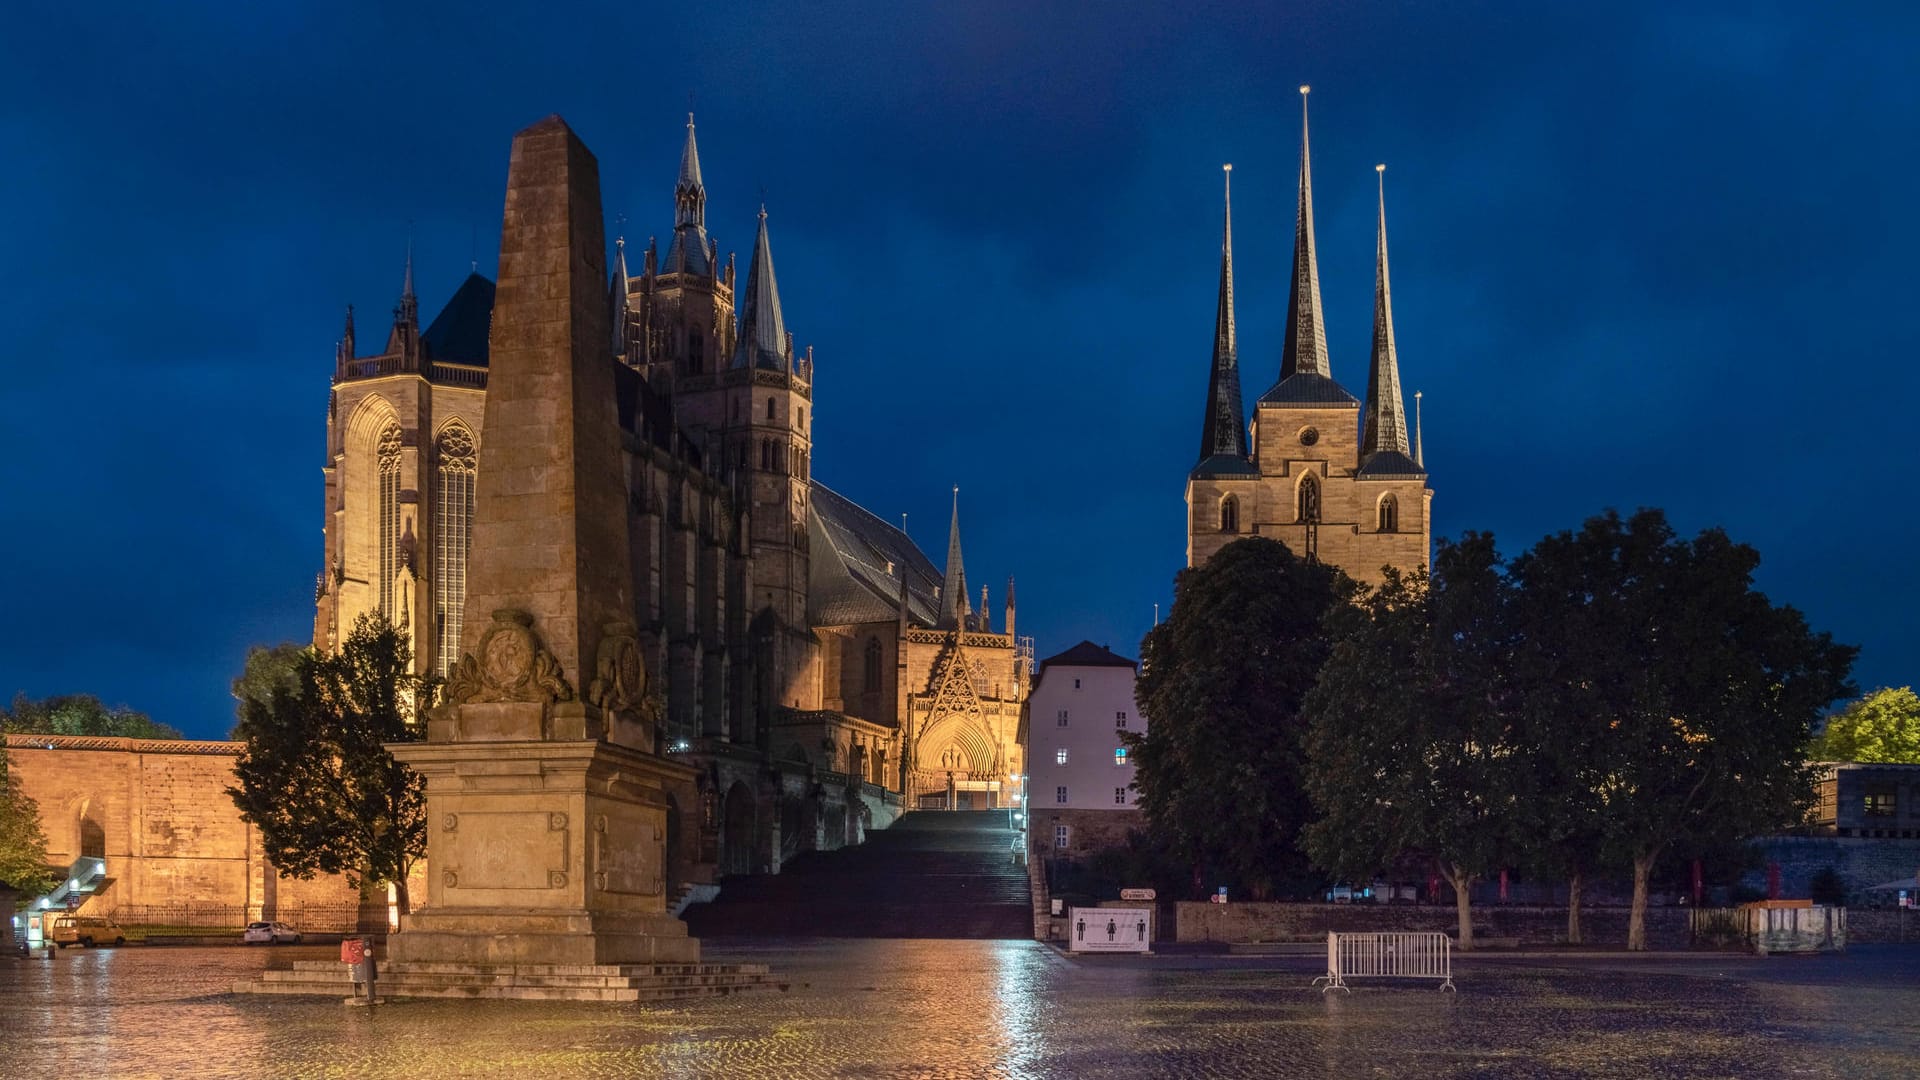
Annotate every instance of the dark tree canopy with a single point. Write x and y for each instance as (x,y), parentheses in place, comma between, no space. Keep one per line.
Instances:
(1220,768)
(80,714)
(316,778)
(1688,692)
(1412,746)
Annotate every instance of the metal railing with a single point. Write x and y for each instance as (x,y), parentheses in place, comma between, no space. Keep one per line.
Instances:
(1387,956)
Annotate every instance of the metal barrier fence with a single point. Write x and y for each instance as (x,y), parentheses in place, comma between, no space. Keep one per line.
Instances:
(1387,956)
(312,918)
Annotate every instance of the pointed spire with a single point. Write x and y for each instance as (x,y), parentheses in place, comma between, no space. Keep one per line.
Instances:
(689,251)
(1419,458)
(983,623)
(1221,434)
(617,298)
(346,337)
(763,333)
(953,593)
(408,313)
(1305,351)
(1386,422)
(1009,623)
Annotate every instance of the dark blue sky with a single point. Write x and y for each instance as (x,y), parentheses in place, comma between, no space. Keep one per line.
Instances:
(1640,258)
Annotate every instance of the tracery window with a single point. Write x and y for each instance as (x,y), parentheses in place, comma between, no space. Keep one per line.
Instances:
(1229,514)
(1389,514)
(872,673)
(1309,499)
(766,453)
(456,465)
(388,456)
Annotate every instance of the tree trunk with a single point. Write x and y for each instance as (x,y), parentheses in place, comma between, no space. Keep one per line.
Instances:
(401,898)
(1573,907)
(1463,903)
(1637,918)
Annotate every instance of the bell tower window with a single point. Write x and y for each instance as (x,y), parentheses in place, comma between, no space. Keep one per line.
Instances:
(1229,514)
(1389,514)
(1309,499)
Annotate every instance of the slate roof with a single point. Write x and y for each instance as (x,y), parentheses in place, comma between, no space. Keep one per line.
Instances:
(1087,654)
(763,332)
(1220,466)
(1390,465)
(1309,389)
(458,334)
(848,579)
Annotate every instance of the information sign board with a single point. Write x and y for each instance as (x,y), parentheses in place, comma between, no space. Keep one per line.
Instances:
(1137,894)
(1110,929)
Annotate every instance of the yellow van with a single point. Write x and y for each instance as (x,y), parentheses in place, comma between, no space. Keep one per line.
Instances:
(89,930)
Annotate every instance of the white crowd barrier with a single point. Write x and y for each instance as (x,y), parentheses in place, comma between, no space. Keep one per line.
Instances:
(1387,956)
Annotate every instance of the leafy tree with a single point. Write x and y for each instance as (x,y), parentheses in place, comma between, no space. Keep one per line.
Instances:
(80,714)
(1412,746)
(1827,887)
(1884,726)
(316,778)
(23,846)
(1220,769)
(268,668)
(1693,693)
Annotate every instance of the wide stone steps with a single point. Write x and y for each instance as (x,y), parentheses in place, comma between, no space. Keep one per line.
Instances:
(532,982)
(933,874)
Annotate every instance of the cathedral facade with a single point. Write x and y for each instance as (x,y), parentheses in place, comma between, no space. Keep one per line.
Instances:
(816,668)
(1336,479)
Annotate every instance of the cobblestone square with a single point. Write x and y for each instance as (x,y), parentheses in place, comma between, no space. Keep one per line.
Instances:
(954,1009)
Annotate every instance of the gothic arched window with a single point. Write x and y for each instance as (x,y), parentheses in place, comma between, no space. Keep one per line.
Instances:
(456,464)
(696,353)
(1389,514)
(1229,514)
(766,453)
(872,673)
(388,455)
(1309,499)
(769,408)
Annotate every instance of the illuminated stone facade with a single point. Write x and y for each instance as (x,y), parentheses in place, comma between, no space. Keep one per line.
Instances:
(802,651)
(1335,479)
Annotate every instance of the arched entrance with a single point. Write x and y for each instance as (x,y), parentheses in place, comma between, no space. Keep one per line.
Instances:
(736,833)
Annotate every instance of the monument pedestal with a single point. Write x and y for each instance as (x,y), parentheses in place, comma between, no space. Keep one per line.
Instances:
(542,852)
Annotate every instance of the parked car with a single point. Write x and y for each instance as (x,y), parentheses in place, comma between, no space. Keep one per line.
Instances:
(270,933)
(88,930)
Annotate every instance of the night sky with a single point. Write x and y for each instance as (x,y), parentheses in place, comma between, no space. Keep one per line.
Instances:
(1639,258)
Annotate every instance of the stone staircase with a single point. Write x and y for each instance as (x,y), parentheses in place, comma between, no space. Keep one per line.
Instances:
(932,874)
(526,982)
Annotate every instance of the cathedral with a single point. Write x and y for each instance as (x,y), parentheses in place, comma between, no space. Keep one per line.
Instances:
(816,668)
(1335,479)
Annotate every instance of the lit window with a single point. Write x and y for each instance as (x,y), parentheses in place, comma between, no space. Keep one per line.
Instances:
(452,539)
(1119,755)
(1060,794)
(1880,804)
(1120,796)
(1059,757)
(1063,718)
(1062,835)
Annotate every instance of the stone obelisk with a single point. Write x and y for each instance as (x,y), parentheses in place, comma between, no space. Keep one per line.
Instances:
(546,818)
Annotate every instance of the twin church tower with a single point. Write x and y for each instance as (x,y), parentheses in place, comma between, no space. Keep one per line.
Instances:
(1335,479)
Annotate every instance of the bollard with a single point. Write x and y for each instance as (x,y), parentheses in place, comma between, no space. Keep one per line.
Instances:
(357,954)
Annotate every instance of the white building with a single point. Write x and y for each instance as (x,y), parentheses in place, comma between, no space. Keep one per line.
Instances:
(1076,761)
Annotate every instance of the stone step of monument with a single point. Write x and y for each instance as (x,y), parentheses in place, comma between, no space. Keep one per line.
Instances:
(642,984)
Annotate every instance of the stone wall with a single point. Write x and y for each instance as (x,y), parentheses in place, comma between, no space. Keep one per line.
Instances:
(1251,922)
(1088,831)
(158,812)
(1861,863)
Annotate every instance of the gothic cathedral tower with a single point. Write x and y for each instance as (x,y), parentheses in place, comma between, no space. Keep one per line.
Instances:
(741,399)
(1331,478)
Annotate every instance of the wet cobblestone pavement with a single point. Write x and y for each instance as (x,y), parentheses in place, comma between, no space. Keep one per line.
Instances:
(962,1009)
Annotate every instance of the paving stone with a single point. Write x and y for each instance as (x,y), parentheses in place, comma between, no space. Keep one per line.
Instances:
(966,1009)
